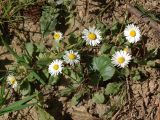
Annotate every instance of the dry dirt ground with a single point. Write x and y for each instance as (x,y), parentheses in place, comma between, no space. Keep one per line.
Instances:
(144,97)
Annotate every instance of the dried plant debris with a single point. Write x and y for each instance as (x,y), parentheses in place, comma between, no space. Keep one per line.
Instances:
(84,59)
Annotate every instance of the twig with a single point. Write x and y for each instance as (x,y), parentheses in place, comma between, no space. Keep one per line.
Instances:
(116,114)
(87,10)
(104,9)
(145,19)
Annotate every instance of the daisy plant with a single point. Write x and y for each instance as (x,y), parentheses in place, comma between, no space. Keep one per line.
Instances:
(12,81)
(55,67)
(57,36)
(121,59)
(92,36)
(132,33)
(71,57)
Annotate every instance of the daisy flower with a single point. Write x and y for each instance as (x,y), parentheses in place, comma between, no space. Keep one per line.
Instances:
(12,81)
(92,36)
(55,67)
(132,33)
(57,36)
(127,49)
(71,57)
(121,58)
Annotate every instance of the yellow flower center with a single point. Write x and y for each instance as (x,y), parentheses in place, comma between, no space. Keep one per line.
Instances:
(56,36)
(126,49)
(132,33)
(72,56)
(121,60)
(55,67)
(12,81)
(92,36)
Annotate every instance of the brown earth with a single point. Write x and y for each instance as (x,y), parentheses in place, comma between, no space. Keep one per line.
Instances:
(143,96)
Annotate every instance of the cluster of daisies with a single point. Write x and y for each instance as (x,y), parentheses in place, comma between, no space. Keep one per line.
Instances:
(70,58)
(122,58)
(92,37)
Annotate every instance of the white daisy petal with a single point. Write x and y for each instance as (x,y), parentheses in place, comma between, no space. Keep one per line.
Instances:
(92,36)
(55,67)
(12,81)
(71,57)
(121,58)
(57,36)
(132,33)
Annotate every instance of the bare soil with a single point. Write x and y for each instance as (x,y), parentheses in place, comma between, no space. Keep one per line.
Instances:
(144,97)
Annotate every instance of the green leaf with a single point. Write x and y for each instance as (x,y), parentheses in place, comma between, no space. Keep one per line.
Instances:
(70,20)
(3,96)
(2,100)
(23,59)
(121,39)
(43,60)
(2,90)
(76,98)
(105,48)
(95,78)
(126,72)
(67,91)
(136,75)
(26,1)
(100,62)
(30,77)
(40,47)
(115,28)
(75,77)
(46,73)
(104,66)
(151,63)
(48,20)
(107,72)
(25,88)
(98,98)
(38,78)
(6,110)
(18,105)
(112,88)
(101,26)
(53,80)
(113,49)
(43,114)
(59,2)
(30,48)
(72,39)
(1,79)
